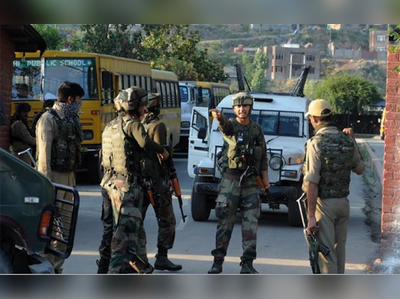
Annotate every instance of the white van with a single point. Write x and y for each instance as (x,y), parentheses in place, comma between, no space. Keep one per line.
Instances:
(286,130)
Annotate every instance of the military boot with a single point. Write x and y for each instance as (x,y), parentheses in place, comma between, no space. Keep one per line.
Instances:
(102,265)
(163,263)
(217,266)
(247,268)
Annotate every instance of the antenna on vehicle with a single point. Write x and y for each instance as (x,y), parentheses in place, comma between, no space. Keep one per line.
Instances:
(298,89)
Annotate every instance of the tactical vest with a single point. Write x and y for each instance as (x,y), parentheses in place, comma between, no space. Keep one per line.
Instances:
(126,151)
(336,152)
(149,164)
(107,145)
(241,141)
(66,147)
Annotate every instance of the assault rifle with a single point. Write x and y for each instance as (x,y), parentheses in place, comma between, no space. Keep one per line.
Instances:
(169,164)
(252,169)
(314,247)
(149,187)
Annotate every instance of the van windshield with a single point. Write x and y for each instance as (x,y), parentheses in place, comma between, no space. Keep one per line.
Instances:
(277,123)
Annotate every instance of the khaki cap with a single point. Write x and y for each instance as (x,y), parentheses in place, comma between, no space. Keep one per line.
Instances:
(318,106)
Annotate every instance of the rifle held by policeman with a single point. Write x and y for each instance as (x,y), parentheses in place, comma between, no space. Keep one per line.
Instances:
(314,247)
(174,181)
(148,185)
(252,169)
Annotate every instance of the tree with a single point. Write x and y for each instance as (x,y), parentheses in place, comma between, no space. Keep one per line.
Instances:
(347,93)
(111,39)
(260,63)
(51,35)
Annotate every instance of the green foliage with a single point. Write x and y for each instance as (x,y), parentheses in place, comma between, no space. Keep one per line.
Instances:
(260,63)
(111,39)
(394,33)
(247,67)
(51,35)
(347,92)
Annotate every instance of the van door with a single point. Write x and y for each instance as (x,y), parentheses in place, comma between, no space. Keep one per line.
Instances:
(198,137)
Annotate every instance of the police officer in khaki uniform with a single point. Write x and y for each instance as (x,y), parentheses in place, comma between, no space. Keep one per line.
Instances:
(58,151)
(331,156)
(21,138)
(241,135)
(158,175)
(129,142)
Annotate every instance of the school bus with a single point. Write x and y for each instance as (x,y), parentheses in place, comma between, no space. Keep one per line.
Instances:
(198,94)
(166,83)
(102,78)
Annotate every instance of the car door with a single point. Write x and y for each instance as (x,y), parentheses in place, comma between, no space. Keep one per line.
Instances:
(198,147)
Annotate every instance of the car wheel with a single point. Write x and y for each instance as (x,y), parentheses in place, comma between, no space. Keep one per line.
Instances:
(200,206)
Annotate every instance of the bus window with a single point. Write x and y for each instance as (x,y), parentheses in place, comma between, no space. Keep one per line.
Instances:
(169,96)
(184,93)
(58,70)
(125,82)
(26,79)
(164,95)
(143,84)
(173,95)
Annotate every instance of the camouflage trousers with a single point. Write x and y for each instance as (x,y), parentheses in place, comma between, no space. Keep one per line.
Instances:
(231,198)
(108,226)
(127,204)
(166,225)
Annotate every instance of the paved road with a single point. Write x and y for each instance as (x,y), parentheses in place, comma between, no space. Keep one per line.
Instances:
(281,248)
(377,147)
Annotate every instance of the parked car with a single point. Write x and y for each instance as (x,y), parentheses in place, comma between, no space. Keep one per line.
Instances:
(31,216)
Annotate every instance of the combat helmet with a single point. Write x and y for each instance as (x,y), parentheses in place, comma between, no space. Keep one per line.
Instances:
(153,102)
(131,99)
(242,98)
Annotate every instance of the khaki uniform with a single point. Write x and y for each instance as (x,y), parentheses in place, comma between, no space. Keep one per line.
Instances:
(232,196)
(21,140)
(46,131)
(332,213)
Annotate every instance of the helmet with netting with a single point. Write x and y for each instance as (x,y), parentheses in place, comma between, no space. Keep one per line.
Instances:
(242,98)
(153,102)
(131,99)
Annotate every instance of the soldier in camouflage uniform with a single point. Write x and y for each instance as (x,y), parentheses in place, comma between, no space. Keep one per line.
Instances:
(107,217)
(240,135)
(159,176)
(58,151)
(129,142)
(331,156)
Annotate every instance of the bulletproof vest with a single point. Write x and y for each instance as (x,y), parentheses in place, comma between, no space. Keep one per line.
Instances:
(244,139)
(336,153)
(126,151)
(66,147)
(107,145)
(150,166)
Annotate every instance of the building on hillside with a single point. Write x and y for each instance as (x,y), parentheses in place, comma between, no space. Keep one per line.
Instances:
(247,50)
(350,27)
(13,38)
(379,42)
(288,61)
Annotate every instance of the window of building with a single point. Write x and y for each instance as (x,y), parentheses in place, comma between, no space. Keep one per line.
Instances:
(278,69)
(381,49)
(381,38)
(279,56)
(310,57)
(312,70)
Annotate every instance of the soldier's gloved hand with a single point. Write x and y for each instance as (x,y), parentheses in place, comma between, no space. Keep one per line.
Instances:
(215,113)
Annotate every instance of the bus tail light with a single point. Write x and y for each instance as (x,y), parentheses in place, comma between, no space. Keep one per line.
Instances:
(95,112)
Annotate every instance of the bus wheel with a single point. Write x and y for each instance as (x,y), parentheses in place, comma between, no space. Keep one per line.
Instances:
(95,171)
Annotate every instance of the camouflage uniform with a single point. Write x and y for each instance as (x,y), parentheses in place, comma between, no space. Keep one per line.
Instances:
(330,157)
(129,140)
(159,175)
(232,196)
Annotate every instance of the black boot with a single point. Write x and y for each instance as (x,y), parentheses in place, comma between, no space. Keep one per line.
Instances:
(217,266)
(163,263)
(102,265)
(247,268)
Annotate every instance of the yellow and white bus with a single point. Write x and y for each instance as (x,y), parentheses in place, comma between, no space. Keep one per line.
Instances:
(166,83)
(101,76)
(198,94)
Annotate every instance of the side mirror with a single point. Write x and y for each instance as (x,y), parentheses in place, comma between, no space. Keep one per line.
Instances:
(106,81)
(202,134)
